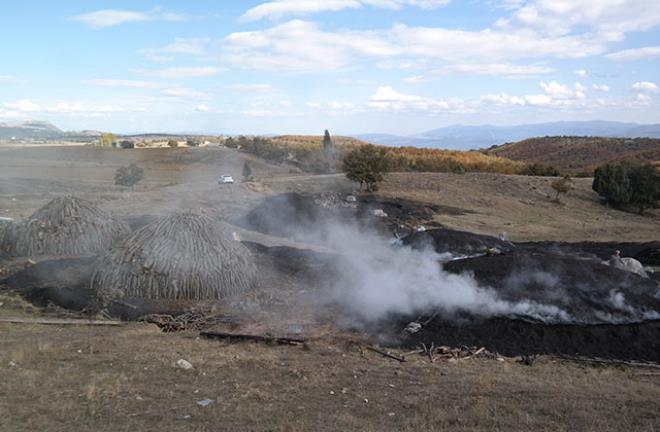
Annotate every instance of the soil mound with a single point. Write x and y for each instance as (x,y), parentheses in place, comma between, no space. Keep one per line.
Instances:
(588,291)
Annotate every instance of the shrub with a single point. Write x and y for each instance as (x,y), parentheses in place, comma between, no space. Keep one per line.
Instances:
(129,176)
(172,143)
(127,144)
(562,186)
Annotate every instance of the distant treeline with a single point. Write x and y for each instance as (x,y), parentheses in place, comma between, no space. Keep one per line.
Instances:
(306,152)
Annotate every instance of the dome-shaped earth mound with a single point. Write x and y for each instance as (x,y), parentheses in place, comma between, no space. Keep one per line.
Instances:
(179,257)
(66,226)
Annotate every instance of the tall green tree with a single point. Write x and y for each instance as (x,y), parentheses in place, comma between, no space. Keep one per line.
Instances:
(366,165)
(628,185)
(247,172)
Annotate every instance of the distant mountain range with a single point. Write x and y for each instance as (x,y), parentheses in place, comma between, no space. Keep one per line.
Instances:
(40,130)
(478,137)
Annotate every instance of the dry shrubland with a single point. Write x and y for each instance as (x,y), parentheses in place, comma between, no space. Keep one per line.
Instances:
(306,153)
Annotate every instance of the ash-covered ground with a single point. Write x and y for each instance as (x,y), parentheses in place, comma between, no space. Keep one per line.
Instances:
(372,266)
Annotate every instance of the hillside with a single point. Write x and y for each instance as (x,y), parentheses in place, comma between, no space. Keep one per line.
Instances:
(577,155)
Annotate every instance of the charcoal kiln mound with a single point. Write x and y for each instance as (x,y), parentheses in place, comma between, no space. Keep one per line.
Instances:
(181,257)
(443,240)
(66,226)
(295,215)
(513,337)
(588,291)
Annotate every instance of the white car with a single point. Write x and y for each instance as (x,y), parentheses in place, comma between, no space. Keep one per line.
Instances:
(226,179)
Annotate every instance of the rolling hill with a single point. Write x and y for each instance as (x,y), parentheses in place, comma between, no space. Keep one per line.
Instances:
(475,137)
(577,155)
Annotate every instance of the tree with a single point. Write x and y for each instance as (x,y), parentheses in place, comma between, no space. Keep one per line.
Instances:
(328,146)
(247,172)
(562,186)
(172,143)
(366,165)
(107,139)
(628,185)
(645,185)
(129,176)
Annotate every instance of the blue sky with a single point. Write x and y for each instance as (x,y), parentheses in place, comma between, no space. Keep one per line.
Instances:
(352,66)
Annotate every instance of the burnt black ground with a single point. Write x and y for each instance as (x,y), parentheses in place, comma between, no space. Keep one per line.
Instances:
(513,337)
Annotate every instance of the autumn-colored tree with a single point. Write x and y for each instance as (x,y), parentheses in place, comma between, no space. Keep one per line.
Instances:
(107,139)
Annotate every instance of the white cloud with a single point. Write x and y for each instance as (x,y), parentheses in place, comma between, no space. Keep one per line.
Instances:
(23,105)
(507,70)
(202,108)
(181,46)
(114,17)
(7,79)
(302,46)
(581,73)
(122,83)
(635,54)
(610,18)
(555,95)
(388,99)
(643,99)
(185,92)
(645,86)
(251,88)
(280,8)
(181,72)
(601,87)
(67,107)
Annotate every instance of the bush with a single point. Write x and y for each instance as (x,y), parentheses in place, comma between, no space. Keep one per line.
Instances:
(562,186)
(127,144)
(129,176)
(192,142)
(172,144)
(627,185)
(366,165)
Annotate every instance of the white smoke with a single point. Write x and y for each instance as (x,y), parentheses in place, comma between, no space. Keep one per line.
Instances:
(377,280)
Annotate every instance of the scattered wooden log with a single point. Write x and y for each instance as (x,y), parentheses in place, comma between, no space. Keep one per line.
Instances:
(387,354)
(609,362)
(252,337)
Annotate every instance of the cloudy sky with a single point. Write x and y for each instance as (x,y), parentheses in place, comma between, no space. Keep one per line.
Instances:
(353,66)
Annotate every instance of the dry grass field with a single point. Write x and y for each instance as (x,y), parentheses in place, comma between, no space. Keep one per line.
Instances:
(124,379)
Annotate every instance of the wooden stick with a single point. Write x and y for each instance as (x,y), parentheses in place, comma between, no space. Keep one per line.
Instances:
(57,321)
(257,338)
(386,354)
